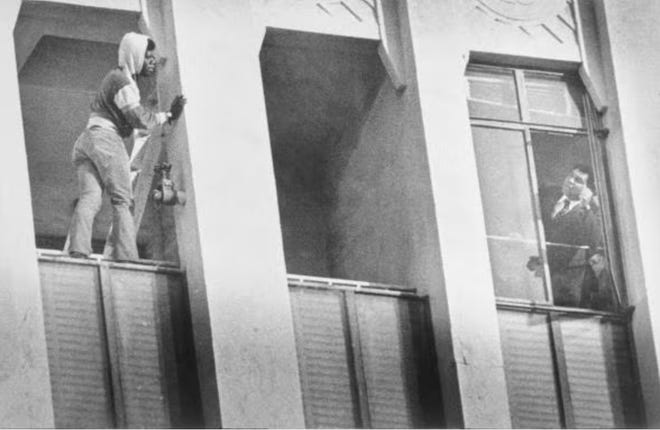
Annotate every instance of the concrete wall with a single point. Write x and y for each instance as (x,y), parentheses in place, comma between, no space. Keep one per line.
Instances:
(229,234)
(69,21)
(520,30)
(159,17)
(25,392)
(383,222)
(57,85)
(409,211)
(316,88)
(629,36)
(462,297)
(304,214)
(129,5)
(354,18)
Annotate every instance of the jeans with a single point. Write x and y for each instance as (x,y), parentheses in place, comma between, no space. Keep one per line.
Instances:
(102,163)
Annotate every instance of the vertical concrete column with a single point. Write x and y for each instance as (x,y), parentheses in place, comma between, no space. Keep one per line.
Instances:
(25,393)
(463,301)
(235,199)
(630,36)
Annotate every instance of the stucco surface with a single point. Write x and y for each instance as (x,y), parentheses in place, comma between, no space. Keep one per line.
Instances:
(317,88)
(129,5)
(235,200)
(544,29)
(629,34)
(353,18)
(25,396)
(462,301)
(384,216)
(57,85)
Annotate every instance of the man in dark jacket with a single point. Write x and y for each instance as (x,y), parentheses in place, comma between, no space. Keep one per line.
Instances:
(572,223)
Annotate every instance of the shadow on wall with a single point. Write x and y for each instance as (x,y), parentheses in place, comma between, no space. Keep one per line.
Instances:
(317,89)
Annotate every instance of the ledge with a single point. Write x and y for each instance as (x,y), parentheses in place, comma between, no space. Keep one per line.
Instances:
(548,308)
(351,285)
(54,256)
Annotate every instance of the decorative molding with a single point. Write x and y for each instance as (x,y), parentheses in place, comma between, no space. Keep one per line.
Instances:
(353,9)
(523,12)
(390,48)
(351,18)
(533,19)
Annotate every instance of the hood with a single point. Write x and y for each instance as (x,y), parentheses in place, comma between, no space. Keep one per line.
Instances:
(132,48)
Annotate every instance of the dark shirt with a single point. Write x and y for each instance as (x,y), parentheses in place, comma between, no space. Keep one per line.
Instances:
(571,238)
(118,100)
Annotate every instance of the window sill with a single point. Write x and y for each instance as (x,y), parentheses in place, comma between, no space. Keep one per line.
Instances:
(98,259)
(545,307)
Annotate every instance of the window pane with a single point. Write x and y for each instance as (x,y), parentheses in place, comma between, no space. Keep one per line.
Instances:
(570,207)
(492,94)
(553,100)
(507,201)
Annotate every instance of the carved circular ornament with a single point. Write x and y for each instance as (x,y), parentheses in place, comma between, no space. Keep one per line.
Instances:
(522,11)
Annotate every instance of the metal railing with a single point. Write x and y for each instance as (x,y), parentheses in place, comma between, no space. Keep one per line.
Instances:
(351,285)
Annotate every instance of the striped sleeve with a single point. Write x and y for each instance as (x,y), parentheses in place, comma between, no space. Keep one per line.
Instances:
(141,118)
(127,100)
(128,97)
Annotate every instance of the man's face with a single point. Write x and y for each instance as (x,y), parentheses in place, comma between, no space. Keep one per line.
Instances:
(149,67)
(597,263)
(574,184)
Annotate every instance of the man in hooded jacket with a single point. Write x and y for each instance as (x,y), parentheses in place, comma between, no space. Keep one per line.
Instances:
(99,153)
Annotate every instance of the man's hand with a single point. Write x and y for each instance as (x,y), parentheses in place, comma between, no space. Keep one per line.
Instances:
(176,108)
(597,263)
(586,195)
(535,265)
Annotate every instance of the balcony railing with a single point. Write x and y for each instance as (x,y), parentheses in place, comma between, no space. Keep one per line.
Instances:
(568,367)
(118,338)
(366,354)
(120,353)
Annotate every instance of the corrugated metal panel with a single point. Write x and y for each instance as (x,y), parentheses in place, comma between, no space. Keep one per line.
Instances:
(328,387)
(530,377)
(600,373)
(143,380)
(76,346)
(386,334)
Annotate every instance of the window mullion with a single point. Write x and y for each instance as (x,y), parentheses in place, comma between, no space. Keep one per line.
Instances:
(496,124)
(521,91)
(558,129)
(561,371)
(538,220)
(598,162)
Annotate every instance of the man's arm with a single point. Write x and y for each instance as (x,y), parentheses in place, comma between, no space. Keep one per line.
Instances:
(127,100)
(593,224)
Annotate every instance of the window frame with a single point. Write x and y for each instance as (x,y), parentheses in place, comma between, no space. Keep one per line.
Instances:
(595,140)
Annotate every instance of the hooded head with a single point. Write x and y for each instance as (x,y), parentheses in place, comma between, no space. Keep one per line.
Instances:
(132,48)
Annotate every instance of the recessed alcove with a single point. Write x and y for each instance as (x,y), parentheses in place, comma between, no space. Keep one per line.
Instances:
(318,90)
(60,69)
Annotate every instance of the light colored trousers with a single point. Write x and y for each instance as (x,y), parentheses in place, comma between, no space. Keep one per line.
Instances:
(102,163)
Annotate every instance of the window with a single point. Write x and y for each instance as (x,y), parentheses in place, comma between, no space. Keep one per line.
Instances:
(543,188)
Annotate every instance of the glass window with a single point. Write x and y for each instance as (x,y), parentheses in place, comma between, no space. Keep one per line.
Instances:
(508,206)
(492,94)
(543,203)
(572,222)
(553,100)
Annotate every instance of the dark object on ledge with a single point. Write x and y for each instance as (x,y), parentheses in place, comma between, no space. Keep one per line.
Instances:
(165,193)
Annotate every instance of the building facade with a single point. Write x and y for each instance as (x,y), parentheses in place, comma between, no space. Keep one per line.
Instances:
(369,236)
